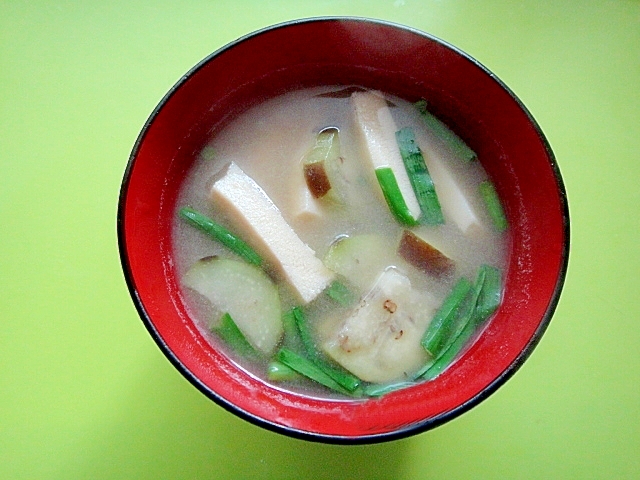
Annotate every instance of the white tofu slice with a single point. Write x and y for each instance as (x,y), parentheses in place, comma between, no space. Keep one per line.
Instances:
(304,207)
(261,224)
(374,120)
(380,341)
(454,201)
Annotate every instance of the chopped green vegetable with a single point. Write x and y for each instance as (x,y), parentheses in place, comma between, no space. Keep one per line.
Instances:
(464,313)
(377,390)
(220,233)
(393,196)
(491,292)
(305,332)
(309,369)
(279,372)
(289,324)
(487,297)
(419,177)
(339,292)
(345,379)
(231,334)
(420,373)
(494,207)
(291,335)
(444,321)
(455,143)
(445,359)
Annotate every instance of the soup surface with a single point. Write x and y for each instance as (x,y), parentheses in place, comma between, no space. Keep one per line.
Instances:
(343,275)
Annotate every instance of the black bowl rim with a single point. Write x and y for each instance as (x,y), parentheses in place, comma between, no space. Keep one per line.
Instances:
(413,429)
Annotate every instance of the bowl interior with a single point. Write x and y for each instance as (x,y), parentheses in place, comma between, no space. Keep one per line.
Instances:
(375,55)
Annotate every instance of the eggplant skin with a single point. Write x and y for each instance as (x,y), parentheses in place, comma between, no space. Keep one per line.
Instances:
(424,256)
(317,179)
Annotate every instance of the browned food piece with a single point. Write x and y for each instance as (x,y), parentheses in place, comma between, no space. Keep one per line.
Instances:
(423,256)
(317,179)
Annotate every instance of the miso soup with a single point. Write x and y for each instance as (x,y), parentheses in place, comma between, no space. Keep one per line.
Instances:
(339,241)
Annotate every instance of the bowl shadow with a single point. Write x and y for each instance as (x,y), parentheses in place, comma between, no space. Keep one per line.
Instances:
(164,428)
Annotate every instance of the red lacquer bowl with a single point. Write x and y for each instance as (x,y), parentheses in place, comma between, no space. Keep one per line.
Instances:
(400,61)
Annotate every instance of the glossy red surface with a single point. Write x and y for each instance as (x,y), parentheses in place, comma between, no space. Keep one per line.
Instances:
(400,61)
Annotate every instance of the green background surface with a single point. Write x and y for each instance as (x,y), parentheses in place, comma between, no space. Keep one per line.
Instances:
(86,393)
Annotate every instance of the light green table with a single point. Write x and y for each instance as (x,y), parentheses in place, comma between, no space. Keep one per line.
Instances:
(84,391)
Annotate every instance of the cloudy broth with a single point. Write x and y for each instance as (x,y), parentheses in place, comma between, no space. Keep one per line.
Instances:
(268,143)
